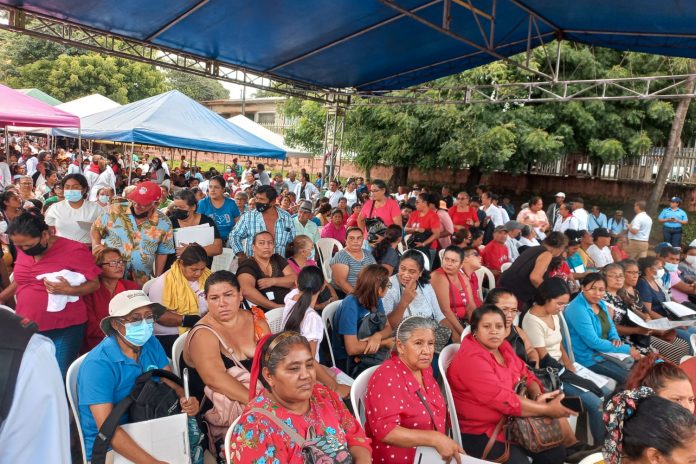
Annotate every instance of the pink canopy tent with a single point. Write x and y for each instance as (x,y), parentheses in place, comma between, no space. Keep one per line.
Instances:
(17,109)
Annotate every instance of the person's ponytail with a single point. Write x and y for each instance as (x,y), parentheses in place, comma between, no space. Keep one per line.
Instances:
(309,282)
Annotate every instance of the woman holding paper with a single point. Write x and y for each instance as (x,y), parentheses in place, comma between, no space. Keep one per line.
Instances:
(183,214)
(594,334)
(622,296)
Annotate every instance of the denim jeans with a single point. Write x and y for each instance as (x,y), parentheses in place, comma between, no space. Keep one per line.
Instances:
(672,235)
(594,406)
(612,370)
(68,342)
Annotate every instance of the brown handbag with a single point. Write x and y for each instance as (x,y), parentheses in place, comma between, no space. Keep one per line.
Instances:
(534,434)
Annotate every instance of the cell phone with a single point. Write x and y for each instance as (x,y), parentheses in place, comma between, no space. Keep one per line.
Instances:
(573,403)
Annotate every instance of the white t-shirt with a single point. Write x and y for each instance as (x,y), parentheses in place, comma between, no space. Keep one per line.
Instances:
(541,335)
(333,197)
(570,222)
(582,217)
(312,327)
(493,212)
(424,304)
(352,197)
(643,223)
(600,256)
(65,219)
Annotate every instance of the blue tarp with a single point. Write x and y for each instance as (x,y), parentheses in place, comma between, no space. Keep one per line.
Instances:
(368,44)
(173,120)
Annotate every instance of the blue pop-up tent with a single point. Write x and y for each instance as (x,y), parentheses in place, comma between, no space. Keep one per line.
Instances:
(173,120)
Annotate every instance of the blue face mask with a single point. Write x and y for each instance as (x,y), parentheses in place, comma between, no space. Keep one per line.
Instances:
(671,267)
(138,333)
(104,199)
(73,196)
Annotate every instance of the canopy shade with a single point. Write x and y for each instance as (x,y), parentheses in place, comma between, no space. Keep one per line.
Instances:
(91,104)
(174,120)
(378,44)
(41,95)
(267,135)
(18,109)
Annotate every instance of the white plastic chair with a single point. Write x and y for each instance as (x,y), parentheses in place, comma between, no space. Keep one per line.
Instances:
(505,266)
(71,389)
(592,459)
(7,308)
(443,362)
(428,455)
(177,349)
(426,260)
(441,253)
(327,318)
(325,247)
(358,391)
(684,359)
(274,318)
(228,440)
(693,342)
(467,331)
(402,245)
(485,273)
(147,285)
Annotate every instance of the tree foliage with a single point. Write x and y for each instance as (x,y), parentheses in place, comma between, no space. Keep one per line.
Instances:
(197,87)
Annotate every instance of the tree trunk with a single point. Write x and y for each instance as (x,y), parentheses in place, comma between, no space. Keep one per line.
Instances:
(672,144)
(474,178)
(399,177)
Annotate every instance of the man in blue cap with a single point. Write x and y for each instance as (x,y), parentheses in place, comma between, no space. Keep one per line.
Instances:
(673,219)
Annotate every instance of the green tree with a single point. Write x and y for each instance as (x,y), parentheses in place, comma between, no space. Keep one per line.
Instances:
(197,87)
(17,50)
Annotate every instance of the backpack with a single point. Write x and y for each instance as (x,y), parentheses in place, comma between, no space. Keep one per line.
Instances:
(149,399)
(15,333)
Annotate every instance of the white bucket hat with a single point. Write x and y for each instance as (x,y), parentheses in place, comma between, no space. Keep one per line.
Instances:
(123,304)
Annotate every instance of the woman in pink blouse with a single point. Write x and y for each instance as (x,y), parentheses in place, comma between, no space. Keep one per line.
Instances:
(404,407)
(380,205)
(335,228)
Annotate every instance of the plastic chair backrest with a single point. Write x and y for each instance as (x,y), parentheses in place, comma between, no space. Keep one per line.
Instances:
(685,358)
(274,318)
(505,266)
(177,349)
(445,359)
(592,459)
(147,285)
(484,273)
(358,391)
(441,253)
(566,337)
(426,260)
(325,247)
(7,308)
(71,389)
(327,318)
(693,342)
(228,440)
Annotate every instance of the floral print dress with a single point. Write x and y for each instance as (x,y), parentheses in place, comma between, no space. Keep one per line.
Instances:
(256,439)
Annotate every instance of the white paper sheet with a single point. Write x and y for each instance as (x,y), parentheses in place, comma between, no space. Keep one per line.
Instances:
(165,439)
(202,235)
(585,373)
(656,324)
(678,309)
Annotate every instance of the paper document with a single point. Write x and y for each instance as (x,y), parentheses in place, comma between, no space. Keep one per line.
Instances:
(224,261)
(619,356)
(342,377)
(587,374)
(678,309)
(166,439)
(656,324)
(202,235)
(428,455)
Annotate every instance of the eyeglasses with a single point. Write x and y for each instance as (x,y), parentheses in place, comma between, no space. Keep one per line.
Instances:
(136,319)
(115,263)
(631,272)
(615,276)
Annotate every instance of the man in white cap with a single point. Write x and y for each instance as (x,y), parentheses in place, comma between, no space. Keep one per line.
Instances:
(303,223)
(552,212)
(109,371)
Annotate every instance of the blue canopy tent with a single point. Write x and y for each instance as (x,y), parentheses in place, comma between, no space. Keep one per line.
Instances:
(369,45)
(173,120)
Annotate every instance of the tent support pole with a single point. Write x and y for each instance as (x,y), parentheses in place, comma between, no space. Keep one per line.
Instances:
(79,139)
(7,143)
(130,168)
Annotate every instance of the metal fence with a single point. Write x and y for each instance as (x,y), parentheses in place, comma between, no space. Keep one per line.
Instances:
(641,168)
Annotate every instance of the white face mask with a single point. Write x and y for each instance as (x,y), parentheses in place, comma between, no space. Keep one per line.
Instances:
(691,260)
(660,274)
(3,227)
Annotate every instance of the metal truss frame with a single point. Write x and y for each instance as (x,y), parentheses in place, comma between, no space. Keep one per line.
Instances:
(333,142)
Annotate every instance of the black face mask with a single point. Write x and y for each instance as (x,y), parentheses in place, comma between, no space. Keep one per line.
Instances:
(180,214)
(139,216)
(36,250)
(262,207)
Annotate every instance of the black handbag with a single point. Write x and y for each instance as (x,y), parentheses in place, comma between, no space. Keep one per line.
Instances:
(370,324)
(549,378)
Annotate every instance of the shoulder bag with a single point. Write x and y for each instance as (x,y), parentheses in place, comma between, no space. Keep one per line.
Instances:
(443,334)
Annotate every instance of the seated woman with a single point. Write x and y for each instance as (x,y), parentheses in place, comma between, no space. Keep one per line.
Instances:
(335,228)
(265,276)
(456,285)
(347,263)
(386,251)
(183,214)
(68,217)
(622,297)
(593,332)
(180,290)
(665,378)
(362,336)
(404,407)
(299,316)
(483,376)
(111,283)
(108,373)
(299,252)
(293,407)
(644,428)
(542,326)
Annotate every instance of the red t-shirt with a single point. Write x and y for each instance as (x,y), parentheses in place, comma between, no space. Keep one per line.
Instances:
(98,308)
(460,218)
(494,255)
(430,221)
(32,297)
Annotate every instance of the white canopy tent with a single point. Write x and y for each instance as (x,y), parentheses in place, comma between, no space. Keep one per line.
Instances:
(267,135)
(81,107)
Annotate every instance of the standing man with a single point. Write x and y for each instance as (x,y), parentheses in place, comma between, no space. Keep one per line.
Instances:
(263,175)
(512,242)
(279,184)
(265,217)
(291,181)
(618,225)
(639,232)
(552,213)
(333,194)
(447,196)
(596,220)
(305,190)
(580,213)
(496,253)
(140,232)
(249,169)
(303,223)
(673,219)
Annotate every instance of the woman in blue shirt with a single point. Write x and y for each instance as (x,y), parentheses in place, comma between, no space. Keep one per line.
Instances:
(593,332)
(221,209)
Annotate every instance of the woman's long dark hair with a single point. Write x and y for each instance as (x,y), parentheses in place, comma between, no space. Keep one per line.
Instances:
(393,234)
(310,281)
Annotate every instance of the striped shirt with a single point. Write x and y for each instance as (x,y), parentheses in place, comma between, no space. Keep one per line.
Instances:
(251,223)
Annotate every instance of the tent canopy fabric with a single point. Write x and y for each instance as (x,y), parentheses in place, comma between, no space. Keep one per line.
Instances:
(18,109)
(174,120)
(88,105)
(41,95)
(267,135)
(373,44)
